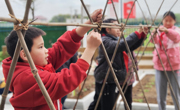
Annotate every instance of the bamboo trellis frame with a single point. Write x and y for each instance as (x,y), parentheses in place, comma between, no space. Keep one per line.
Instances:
(33,68)
(108,61)
(21,42)
(104,25)
(130,54)
(155,48)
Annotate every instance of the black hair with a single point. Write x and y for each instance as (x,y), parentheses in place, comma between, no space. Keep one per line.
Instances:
(12,38)
(109,20)
(169,13)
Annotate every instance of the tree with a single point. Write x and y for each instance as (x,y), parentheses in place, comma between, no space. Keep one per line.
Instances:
(177,18)
(60,18)
(33,6)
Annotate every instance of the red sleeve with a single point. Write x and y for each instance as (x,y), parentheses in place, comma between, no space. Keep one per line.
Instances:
(140,35)
(57,84)
(125,56)
(137,33)
(64,48)
(143,35)
(62,83)
(75,36)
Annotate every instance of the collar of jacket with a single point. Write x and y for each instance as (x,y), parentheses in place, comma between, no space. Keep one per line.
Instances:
(109,35)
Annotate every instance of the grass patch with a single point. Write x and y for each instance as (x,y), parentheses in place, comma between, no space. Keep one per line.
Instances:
(2,57)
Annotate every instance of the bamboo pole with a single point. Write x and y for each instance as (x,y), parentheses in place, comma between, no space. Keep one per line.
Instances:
(107,74)
(168,60)
(54,25)
(128,81)
(166,75)
(164,47)
(146,23)
(149,11)
(93,56)
(134,66)
(83,84)
(136,57)
(17,50)
(150,15)
(35,73)
(104,25)
(13,64)
(161,42)
(108,61)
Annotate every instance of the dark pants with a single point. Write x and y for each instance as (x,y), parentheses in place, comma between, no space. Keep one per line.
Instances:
(128,96)
(63,100)
(109,97)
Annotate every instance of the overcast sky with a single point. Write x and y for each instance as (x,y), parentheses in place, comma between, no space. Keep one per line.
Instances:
(50,8)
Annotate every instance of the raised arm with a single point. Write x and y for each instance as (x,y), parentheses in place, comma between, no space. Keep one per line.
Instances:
(93,41)
(96,17)
(69,42)
(173,34)
(133,40)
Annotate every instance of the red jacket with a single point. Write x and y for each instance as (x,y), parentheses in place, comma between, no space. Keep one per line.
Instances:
(26,92)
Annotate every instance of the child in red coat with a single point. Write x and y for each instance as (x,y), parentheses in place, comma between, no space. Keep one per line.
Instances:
(26,92)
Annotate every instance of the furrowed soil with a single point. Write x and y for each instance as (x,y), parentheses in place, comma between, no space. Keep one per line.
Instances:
(148,83)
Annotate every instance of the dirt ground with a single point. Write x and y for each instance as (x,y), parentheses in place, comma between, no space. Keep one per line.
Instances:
(148,83)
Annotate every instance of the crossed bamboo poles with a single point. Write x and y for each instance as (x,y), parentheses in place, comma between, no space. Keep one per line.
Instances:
(146,47)
(111,65)
(22,43)
(108,61)
(130,54)
(159,56)
(162,46)
(104,25)
(93,56)
(153,21)
(34,71)
(18,47)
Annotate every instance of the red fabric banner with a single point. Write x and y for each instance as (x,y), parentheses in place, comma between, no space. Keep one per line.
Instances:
(127,9)
(109,2)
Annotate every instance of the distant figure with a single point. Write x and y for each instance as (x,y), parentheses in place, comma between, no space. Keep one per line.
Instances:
(66,65)
(130,80)
(2,86)
(170,36)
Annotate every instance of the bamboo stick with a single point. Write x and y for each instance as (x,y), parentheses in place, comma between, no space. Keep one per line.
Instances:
(134,66)
(164,47)
(109,63)
(150,32)
(83,84)
(104,25)
(13,64)
(35,73)
(167,58)
(166,75)
(107,74)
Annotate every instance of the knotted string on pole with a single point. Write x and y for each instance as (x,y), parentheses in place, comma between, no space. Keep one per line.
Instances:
(21,30)
(23,26)
(127,47)
(166,55)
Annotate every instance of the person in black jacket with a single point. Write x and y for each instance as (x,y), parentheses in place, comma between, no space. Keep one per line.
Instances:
(110,38)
